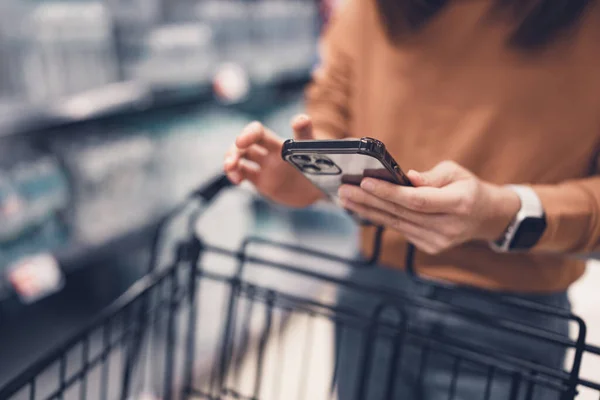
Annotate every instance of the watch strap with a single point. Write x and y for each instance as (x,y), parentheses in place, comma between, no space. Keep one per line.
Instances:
(531,210)
(531,205)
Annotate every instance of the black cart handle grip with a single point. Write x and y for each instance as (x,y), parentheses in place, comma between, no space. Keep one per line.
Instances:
(209,191)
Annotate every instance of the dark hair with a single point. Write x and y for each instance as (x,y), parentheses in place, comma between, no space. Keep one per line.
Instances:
(537,22)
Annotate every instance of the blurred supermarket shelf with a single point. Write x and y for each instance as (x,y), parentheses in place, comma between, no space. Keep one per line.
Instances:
(51,51)
(112,99)
(94,182)
(120,100)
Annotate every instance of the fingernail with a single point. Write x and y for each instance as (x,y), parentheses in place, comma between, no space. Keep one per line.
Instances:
(415,174)
(367,184)
(251,127)
(229,160)
(234,176)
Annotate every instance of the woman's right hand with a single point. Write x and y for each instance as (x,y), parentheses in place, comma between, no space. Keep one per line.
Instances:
(256,157)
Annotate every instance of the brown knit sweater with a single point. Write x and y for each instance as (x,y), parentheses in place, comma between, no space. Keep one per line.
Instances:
(456,91)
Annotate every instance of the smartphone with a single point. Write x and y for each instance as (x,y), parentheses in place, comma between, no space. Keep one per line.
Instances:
(332,163)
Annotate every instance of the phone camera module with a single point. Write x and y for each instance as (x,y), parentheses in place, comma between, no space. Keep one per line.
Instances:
(325,163)
(303,158)
(311,169)
(315,164)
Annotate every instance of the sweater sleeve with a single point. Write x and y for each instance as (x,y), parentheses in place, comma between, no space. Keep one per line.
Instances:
(573,216)
(329,95)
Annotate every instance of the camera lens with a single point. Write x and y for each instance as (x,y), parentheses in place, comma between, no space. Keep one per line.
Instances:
(301,157)
(311,168)
(325,162)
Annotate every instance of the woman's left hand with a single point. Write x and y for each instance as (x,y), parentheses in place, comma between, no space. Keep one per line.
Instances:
(448,206)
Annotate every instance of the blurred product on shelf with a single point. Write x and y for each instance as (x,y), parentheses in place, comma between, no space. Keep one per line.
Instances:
(231,24)
(68,48)
(285,39)
(35,277)
(11,206)
(133,19)
(12,13)
(177,55)
(34,195)
(113,189)
(40,191)
(231,83)
(268,39)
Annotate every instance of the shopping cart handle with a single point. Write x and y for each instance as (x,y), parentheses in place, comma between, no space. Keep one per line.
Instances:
(213,188)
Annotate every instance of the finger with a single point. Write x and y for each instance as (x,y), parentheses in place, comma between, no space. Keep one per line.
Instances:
(439,176)
(230,166)
(235,176)
(360,196)
(423,199)
(254,153)
(250,172)
(423,239)
(416,178)
(256,133)
(303,127)
(435,231)
(379,217)
(244,171)
(231,159)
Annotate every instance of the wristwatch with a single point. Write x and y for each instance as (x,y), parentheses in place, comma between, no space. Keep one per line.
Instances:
(526,229)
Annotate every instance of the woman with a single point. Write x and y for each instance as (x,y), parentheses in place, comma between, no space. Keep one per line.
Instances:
(472,95)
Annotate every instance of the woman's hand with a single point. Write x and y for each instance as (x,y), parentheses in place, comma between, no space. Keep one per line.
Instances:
(448,206)
(256,157)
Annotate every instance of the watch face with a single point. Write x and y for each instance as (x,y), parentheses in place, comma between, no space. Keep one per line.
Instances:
(529,233)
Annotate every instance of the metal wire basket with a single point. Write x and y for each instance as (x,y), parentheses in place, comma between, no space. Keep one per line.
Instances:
(161,339)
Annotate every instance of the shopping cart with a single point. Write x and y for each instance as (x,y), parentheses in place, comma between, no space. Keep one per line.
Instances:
(151,342)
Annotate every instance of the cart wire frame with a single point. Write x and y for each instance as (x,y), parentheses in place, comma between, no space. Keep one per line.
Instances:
(106,358)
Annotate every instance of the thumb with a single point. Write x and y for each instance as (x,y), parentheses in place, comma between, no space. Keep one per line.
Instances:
(303,128)
(439,176)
